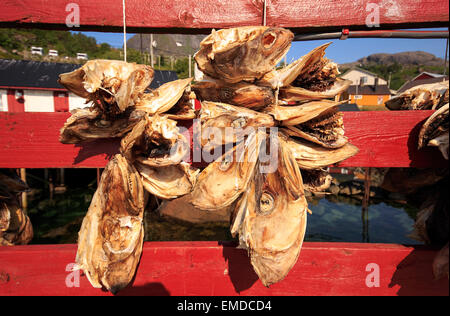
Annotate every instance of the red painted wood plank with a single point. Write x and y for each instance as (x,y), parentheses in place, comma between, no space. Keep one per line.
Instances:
(385,139)
(340,14)
(183,14)
(389,139)
(190,16)
(211,268)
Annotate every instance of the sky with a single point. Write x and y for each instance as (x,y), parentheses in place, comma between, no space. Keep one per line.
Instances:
(346,51)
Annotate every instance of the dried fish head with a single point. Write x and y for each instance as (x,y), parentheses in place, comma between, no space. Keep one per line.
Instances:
(168,182)
(244,53)
(326,129)
(301,68)
(240,94)
(224,180)
(87,125)
(165,97)
(423,97)
(111,236)
(298,94)
(298,114)
(435,131)
(223,123)
(310,156)
(112,85)
(270,218)
(155,141)
(15,225)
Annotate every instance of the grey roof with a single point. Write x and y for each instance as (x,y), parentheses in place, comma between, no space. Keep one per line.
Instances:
(369,90)
(414,83)
(35,74)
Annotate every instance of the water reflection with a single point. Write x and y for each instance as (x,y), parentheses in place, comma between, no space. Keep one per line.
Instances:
(338,218)
(334,218)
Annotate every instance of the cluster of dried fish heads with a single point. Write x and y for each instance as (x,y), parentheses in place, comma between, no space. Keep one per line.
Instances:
(150,161)
(241,88)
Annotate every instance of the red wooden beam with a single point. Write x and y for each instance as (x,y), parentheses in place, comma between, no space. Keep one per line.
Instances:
(385,139)
(212,268)
(193,16)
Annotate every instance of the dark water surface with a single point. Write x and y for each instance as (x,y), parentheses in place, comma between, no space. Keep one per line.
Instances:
(334,219)
(341,219)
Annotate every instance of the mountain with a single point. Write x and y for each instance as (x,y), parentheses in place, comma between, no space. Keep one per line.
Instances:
(400,67)
(178,45)
(418,58)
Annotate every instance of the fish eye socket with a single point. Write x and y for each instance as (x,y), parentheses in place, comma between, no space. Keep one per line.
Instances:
(225,163)
(103,123)
(268,40)
(266,204)
(239,123)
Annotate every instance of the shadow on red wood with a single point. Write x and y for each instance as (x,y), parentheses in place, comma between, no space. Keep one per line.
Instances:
(209,268)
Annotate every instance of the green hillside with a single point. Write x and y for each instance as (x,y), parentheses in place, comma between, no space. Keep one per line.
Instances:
(17,43)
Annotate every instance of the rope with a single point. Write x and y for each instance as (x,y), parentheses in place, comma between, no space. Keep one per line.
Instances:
(265,13)
(124,32)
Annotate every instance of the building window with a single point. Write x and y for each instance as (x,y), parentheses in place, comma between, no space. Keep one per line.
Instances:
(364,80)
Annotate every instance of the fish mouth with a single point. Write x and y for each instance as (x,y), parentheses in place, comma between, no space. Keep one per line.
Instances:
(317,78)
(327,129)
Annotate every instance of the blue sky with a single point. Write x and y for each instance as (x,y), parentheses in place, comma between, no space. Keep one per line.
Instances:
(340,51)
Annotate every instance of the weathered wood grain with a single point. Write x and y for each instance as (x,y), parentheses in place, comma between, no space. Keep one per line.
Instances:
(194,16)
(385,139)
(212,268)
(353,14)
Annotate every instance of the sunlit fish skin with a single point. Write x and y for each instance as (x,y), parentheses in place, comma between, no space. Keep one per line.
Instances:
(310,156)
(270,219)
(165,97)
(111,85)
(244,53)
(224,180)
(240,94)
(85,125)
(111,236)
(326,129)
(168,182)
(297,114)
(218,117)
(298,94)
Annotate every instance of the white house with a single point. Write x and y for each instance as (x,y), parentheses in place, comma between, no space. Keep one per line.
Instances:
(32,86)
(360,76)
